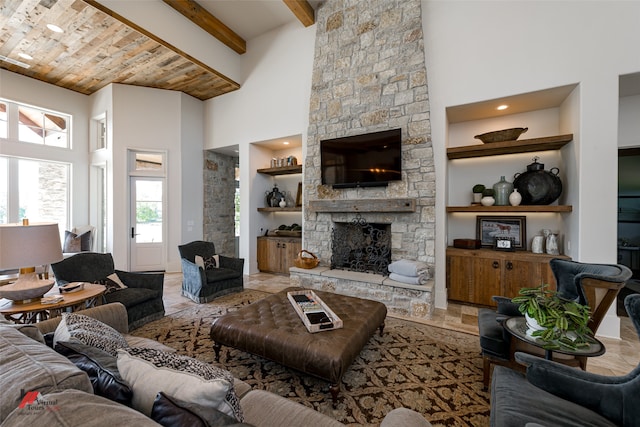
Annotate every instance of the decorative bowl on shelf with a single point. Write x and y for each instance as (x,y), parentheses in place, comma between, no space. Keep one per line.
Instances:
(501,135)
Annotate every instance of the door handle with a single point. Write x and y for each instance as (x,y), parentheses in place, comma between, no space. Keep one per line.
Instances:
(133,233)
(509,265)
(496,264)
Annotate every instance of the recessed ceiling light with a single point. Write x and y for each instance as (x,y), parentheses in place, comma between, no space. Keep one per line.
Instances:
(55,28)
(286,142)
(25,56)
(502,107)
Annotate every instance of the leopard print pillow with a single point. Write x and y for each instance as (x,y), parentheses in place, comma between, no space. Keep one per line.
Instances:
(89,331)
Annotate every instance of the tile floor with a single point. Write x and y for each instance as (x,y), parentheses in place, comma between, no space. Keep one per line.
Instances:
(621,357)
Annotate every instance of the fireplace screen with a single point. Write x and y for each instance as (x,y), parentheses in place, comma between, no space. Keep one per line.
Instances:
(360,246)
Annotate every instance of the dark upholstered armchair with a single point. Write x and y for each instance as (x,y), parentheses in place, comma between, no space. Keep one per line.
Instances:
(595,285)
(557,395)
(203,285)
(142,297)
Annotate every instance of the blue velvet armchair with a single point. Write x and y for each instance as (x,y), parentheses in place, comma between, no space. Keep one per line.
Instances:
(553,394)
(205,284)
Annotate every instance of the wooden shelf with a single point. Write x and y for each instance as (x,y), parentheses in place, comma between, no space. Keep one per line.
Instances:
(286,209)
(509,147)
(285,170)
(511,209)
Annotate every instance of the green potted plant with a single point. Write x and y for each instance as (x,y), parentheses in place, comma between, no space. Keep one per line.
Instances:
(477,192)
(487,197)
(559,322)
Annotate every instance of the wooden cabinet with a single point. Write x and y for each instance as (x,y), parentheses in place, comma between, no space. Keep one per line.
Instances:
(474,276)
(276,254)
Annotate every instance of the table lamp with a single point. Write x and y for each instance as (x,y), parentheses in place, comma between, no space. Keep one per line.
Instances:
(23,247)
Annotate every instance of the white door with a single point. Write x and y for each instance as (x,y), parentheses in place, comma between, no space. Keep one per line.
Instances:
(147,230)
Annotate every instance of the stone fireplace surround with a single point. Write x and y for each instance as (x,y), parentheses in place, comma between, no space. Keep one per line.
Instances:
(369,74)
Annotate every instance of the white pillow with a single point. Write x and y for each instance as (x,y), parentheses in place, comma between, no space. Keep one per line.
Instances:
(149,371)
(89,331)
(199,261)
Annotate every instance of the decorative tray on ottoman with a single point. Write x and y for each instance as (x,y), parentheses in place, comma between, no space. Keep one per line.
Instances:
(313,312)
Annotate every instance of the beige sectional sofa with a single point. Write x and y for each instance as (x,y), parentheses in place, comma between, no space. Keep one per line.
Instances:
(65,393)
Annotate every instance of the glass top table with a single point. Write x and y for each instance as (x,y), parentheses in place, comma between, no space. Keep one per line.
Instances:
(517,326)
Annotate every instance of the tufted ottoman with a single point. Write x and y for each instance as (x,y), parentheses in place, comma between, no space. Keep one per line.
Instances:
(271,328)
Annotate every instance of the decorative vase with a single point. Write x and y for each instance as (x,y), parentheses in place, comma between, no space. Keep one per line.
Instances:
(515,198)
(282,203)
(501,191)
(551,245)
(532,325)
(537,244)
(477,197)
(487,201)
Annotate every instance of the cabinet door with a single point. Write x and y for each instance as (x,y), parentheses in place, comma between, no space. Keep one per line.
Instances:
(268,255)
(488,278)
(526,274)
(460,275)
(290,251)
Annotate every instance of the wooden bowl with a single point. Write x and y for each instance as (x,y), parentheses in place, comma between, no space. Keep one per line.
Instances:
(501,135)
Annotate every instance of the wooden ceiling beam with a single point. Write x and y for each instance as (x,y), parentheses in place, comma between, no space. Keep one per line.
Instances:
(212,25)
(302,10)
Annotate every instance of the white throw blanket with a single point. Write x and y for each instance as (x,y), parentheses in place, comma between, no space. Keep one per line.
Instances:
(410,280)
(408,268)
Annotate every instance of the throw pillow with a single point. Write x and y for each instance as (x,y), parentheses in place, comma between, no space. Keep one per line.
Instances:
(171,412)
(102,369)
(149,371)
(76,243)
(89,331)
(212,262)
(112,283)
(199,261)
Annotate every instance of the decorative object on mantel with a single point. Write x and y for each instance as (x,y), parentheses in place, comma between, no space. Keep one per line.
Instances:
(307,262)
(551,242)
(538,186)
(477,193)
(487,198)
(26,246)
(537,244)
(501,191)
(501,135)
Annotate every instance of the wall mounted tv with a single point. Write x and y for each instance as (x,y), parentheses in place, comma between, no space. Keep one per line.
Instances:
(368,160)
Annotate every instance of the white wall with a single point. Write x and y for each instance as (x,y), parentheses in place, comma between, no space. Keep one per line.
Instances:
(478,50)
(151,119)
(273,102)
(629,125)
(18,88)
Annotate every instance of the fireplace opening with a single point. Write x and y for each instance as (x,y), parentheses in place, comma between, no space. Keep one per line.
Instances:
(360,246)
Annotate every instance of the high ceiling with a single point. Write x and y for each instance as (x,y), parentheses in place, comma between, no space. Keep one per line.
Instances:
(99,45)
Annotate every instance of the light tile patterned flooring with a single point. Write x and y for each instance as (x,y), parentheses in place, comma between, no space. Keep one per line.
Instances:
(621,357)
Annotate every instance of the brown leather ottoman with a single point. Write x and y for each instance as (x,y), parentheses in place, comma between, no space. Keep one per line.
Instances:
(271,328)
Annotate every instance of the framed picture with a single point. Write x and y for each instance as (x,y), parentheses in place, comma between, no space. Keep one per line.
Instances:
(493,229)
(504,244)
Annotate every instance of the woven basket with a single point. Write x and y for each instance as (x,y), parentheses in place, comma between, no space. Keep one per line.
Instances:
(305,261)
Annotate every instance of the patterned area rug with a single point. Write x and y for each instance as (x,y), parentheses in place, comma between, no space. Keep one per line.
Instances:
(434,371)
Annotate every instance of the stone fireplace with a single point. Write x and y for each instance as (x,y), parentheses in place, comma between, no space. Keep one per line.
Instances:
(369,75)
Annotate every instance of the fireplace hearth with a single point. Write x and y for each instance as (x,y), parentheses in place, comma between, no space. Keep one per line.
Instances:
(360,246)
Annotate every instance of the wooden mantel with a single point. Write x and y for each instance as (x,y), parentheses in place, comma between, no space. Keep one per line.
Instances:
(363,205)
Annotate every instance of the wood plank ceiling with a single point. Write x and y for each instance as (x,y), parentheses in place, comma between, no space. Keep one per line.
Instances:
(99,47)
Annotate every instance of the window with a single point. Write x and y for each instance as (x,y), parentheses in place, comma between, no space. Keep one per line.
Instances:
(34,189)
(34,125)
(3,120)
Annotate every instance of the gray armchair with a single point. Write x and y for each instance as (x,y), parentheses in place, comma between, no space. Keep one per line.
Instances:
(204,285)
(142,297)
(553,394)
(596,285)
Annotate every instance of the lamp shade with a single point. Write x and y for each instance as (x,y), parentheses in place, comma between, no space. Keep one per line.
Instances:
(29,245)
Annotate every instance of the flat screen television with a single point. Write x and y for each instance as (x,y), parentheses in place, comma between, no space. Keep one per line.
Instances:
(368,160)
